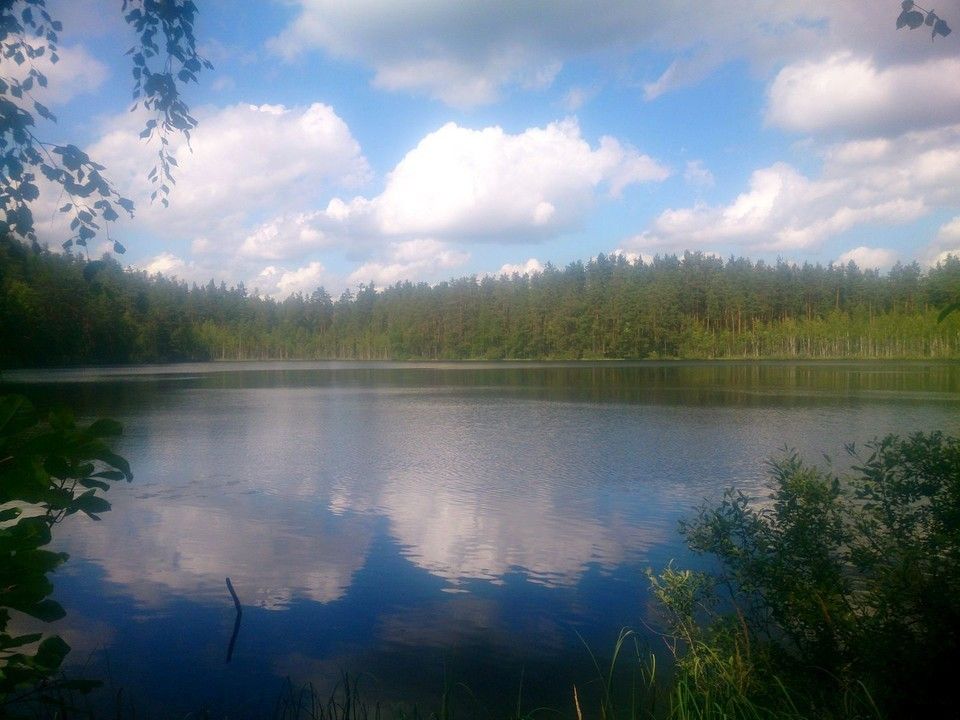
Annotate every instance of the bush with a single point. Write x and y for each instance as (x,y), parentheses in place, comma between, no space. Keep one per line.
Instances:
(49,468)
(836,592)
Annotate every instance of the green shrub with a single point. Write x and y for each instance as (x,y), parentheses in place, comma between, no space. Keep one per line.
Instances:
(833,594)
(49,468)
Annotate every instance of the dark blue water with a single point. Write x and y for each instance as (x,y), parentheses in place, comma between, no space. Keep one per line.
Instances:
(421,525)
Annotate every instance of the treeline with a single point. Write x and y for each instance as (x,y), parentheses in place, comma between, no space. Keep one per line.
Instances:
(60,310)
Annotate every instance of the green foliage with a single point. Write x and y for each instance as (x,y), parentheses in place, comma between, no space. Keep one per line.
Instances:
(846,588)
(27,34)
(49,468)
(59,310)
(913,16)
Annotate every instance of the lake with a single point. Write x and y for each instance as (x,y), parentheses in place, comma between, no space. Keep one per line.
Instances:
(421,525)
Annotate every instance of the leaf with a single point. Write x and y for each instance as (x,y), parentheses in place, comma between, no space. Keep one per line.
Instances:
(91,504)
(914,19)
(12,642)
(941,28)
(114,460)
(51,653)
(118,248)
(10,514)
(91,484)
(46,610)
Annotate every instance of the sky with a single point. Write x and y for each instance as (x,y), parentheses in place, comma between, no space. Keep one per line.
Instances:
(377,141)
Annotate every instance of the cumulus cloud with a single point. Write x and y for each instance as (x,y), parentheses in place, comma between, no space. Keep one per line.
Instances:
(75,73)
(530,267)
(467,52)
(243,161)
(630,256)
(851,94)
(947,242)
(423,258)
(284,237)
(171,265)
(282,283)
(861,182)
(461,53)
(487,184)
(868,258)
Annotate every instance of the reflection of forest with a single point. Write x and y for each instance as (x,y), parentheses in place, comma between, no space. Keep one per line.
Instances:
(697,383)
(60,311)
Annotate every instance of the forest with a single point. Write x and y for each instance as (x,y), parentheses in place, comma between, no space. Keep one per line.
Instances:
(63,309)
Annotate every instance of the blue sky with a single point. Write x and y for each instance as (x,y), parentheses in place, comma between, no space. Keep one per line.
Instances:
(354,142)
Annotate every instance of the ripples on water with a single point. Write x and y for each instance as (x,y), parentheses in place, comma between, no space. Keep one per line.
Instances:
(422,521)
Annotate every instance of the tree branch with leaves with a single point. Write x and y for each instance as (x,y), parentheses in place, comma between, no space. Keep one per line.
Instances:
(164,59)
(913,16)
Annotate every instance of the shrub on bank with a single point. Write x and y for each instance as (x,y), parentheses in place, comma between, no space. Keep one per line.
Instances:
(839,595)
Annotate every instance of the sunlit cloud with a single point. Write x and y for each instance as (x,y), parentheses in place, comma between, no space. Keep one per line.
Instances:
(423,258)
(850,94)
(242,161)
(867,258)
(489,185)
(879,181)
(530,267)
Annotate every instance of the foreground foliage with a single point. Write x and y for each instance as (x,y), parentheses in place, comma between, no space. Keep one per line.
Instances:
(49,468)
(839,596)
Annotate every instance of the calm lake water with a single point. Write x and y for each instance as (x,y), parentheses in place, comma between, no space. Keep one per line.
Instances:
(421,524)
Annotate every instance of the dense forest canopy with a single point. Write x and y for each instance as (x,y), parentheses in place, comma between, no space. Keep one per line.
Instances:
(61,310)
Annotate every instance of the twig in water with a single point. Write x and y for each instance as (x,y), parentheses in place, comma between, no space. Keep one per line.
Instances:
(236,623)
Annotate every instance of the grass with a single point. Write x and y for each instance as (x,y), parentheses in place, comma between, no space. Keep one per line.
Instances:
(705,683)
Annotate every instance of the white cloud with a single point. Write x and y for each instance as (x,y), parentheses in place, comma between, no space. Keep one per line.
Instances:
(947,242)
(631,256)
(868,258)
(950,231)
(284,237)
(304,280)
(165,264)
(409,260)
(530,267)
(75,73)
(861,182)
(487,184)
(246,160)
(852,94)
(467,52)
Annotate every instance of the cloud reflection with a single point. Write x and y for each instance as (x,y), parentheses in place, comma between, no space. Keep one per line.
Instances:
(288,497)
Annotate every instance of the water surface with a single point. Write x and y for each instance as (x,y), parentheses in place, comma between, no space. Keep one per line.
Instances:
(422,523)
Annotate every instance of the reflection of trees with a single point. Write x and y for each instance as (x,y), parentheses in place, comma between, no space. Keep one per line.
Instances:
(49,469)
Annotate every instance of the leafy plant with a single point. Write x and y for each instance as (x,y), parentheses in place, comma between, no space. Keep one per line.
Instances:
(164,57)
(49,469)
(845,588)
(914,16)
